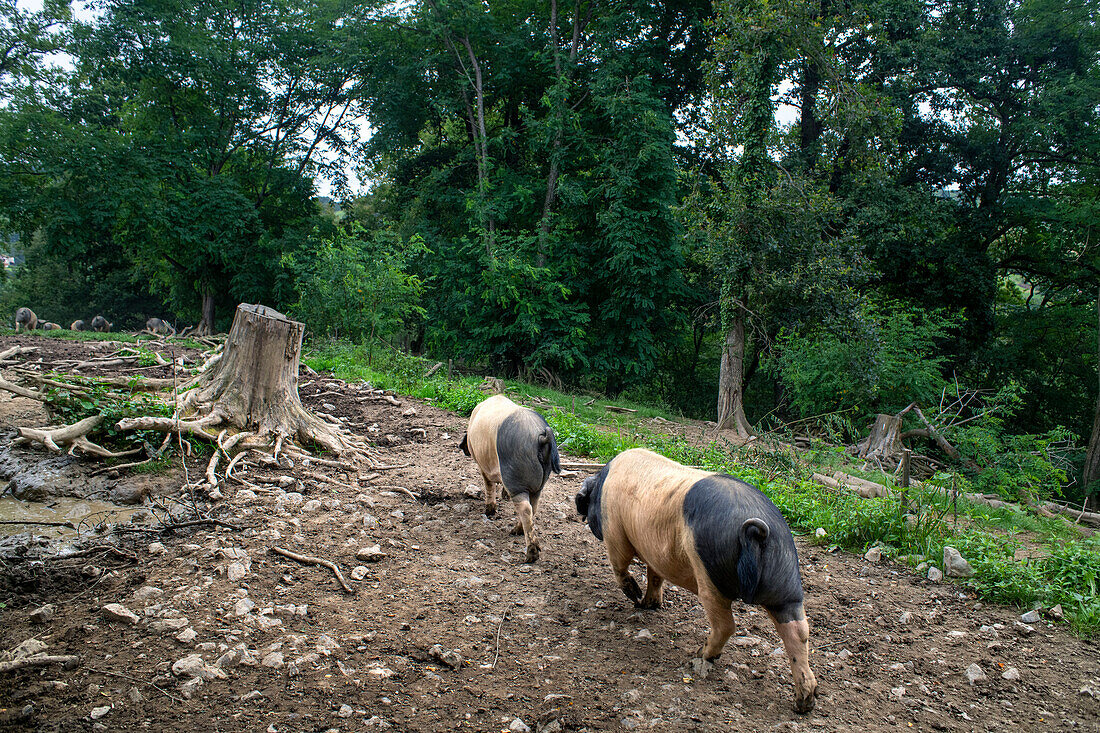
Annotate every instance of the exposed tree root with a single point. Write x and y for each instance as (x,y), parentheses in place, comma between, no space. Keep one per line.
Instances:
(73,436)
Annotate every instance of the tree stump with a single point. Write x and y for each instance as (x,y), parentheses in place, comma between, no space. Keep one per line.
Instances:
(251,390)
(883,443)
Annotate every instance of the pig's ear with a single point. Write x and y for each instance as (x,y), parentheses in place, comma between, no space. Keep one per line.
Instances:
(464,446)
(584,495)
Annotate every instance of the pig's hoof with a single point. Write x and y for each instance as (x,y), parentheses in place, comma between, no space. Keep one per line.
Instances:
(632,591)
(645,605)
(490,510)
(516,530)
(532,553)
(702,654)
(804,703)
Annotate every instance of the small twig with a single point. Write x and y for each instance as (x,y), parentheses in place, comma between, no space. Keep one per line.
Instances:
(134,679)
(401,490)
(496,644)
(309,560)
(119,467)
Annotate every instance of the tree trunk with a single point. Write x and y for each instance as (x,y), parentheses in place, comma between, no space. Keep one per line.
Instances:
(206,324)
(731,379)
(883,443)
(1091,474)
(254,386)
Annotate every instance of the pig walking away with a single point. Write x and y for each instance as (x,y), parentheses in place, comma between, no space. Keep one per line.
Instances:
(513,446)
(158,326)
(25,318)
(99,323)
(78,326)
(708,533)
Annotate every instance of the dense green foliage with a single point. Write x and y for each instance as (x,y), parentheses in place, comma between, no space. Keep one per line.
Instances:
(862,205)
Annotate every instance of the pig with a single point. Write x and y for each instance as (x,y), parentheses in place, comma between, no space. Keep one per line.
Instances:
(513,446)
(78,326)
(99,323)
(711,534)
(156,325)
(49,326)
(26,318)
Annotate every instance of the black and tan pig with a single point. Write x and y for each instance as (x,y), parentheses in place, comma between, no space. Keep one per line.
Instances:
(709,533)
(513,446)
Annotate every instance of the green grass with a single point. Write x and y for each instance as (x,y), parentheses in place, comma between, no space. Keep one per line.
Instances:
(121,336)
(1067,574)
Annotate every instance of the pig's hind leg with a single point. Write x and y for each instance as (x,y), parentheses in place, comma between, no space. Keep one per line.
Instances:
(490,495)
(620,553)
(654,589)
(721,623)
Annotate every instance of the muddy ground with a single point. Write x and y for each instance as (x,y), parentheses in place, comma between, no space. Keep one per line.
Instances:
(552,646)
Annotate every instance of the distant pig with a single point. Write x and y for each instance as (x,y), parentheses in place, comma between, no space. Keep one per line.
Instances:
(25,318)
(99,323)
(158,326)
(78,326)
(48,326)
(709,533)
(513,446)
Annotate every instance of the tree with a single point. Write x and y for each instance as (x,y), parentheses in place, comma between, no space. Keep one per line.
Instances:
(771,237)
(532,148)
(233,107)
(26,36)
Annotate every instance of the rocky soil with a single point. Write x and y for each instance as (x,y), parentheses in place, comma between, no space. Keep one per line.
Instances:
(206,629)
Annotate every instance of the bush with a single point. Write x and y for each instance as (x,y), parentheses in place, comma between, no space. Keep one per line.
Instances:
(880,364)
(355,286)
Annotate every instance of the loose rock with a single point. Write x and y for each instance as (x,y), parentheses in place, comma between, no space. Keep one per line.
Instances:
(974,674)
(450,658)
(935,574)
(1031,617)
(955,565)
(118,612)
(42,614)
(873,555)
(370,554)
(1011,674)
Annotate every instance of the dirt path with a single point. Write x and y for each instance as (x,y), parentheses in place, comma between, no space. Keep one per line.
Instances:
(554,644)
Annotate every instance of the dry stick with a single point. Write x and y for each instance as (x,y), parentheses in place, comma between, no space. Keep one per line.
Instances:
(119,467)
(134,679)
(309,560)
(70,525)
(327,479)
(67,660)
(496,644)
(401,489)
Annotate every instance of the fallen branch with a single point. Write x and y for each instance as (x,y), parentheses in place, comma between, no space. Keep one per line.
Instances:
(41,660)
(309,560)
(70,525)
(616,408)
